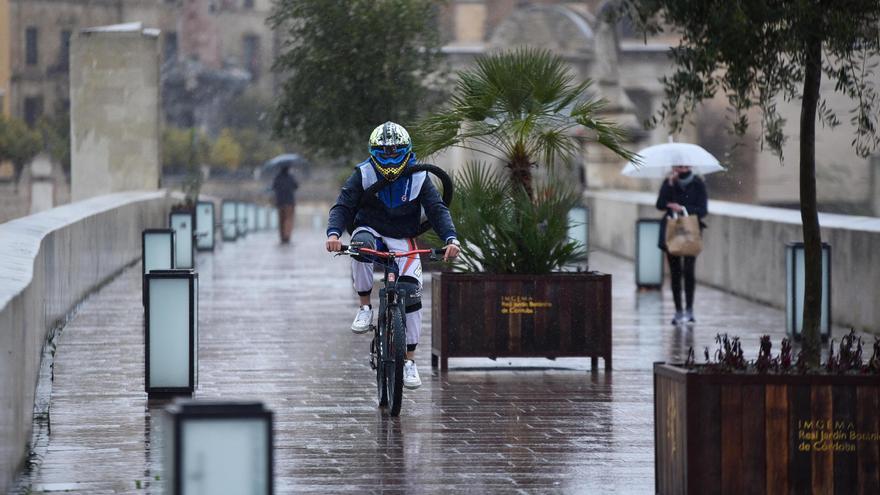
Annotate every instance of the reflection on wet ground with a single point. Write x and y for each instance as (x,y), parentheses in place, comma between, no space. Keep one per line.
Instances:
(274,328)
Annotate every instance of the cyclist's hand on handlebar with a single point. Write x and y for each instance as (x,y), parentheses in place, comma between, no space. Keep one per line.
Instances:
(450,252)
(333,244)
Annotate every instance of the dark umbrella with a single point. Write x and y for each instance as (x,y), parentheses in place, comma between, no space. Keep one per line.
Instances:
(292,160)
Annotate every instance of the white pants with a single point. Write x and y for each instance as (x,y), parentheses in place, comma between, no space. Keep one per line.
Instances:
(362,275)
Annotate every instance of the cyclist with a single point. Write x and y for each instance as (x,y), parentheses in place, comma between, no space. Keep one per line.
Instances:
(390,224)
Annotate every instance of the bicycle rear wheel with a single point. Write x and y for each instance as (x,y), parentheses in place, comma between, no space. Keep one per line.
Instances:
(396,348)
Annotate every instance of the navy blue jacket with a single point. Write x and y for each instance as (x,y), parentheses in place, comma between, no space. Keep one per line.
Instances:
(402,204)
(284,186)
(692,196)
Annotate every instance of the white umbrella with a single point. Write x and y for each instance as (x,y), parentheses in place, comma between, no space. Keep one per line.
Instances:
(657,161)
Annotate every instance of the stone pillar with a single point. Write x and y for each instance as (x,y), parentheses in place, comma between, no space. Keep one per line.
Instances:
(114,110)
(42,184)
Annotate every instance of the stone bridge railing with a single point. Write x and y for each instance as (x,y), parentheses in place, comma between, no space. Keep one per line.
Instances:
(49,262)
(744,250)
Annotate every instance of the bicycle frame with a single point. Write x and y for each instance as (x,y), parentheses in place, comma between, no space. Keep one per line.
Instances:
(382,359)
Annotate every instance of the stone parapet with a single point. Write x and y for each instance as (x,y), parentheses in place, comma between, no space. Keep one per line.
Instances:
(744,250)
(49,262)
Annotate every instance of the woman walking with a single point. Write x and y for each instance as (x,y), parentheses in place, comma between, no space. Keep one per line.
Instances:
(682,191)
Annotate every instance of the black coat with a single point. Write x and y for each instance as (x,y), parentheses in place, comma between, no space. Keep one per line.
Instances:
(692,196)
(284,186)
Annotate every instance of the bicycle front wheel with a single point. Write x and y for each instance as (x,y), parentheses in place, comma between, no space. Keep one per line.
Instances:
(394,364)
(377,355)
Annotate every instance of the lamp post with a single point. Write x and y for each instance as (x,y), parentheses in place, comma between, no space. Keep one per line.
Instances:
(794,291)
(227,214)
(579,227)
(182,223)
(241,219)
(157,250)
(218,447)
(171,317)
(649,257)
(204,226)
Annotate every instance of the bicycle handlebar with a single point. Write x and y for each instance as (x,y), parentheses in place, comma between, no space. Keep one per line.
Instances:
(347,249)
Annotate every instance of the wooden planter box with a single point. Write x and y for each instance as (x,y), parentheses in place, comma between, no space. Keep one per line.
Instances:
(489,315)
(765,434)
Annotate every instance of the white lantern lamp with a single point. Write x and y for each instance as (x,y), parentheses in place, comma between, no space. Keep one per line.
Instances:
(794,291)
(241,219)
(649,257)
(172,331)
(204,226)
(218,447)
(273,218)
(579,227)
(251,217)
(263,218)
(183,224)
(157,249)
(227,214)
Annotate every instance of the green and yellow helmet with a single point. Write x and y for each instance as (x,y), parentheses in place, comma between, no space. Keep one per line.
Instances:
(390,150)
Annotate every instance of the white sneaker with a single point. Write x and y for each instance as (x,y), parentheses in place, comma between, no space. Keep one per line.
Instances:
(411,375)
(363,321)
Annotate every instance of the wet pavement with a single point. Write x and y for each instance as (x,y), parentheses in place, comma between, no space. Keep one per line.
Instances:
(274,327)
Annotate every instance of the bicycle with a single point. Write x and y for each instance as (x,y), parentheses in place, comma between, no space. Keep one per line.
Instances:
(388,348)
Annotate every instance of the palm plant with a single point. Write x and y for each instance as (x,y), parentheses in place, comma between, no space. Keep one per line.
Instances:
(505,231)
(521,108)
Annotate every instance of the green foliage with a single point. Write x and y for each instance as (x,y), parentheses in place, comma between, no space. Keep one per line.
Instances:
(502,230)
(256,146)
(225,151)
(55,130)
(520,107)
(18,143)
(183,149)
(351,66)
(756,52)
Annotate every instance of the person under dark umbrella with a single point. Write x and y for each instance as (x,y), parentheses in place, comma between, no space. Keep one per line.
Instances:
(284,186)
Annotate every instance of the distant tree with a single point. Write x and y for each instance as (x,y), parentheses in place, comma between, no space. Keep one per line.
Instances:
(55,130)
(256,146)
(755,52)
(351,66)
(226,152)
(248,111)
(18,143)
(184,149)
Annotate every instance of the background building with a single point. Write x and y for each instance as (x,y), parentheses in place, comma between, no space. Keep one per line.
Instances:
(204,43)
(5,52)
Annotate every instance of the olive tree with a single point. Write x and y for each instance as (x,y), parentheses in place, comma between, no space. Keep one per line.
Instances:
(756,52)
(349,66)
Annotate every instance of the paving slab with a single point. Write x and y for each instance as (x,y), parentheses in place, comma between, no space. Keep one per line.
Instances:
(274,328)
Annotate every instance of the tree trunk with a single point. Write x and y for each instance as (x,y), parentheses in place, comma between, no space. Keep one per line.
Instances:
(521,171)
(809,208)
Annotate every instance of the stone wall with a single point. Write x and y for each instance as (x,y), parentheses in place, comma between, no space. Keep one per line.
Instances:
(114,113)
(49,262)
(744,250)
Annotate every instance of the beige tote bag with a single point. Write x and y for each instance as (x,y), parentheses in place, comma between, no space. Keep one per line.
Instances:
(683,237)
